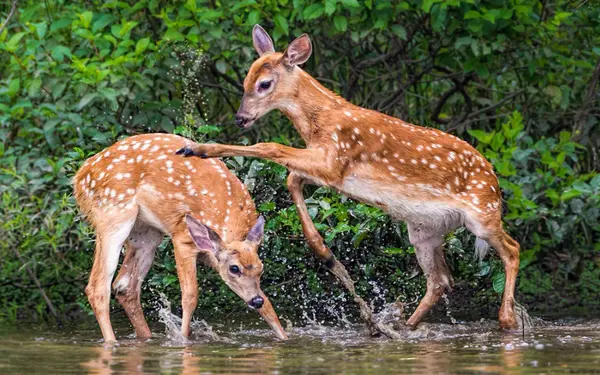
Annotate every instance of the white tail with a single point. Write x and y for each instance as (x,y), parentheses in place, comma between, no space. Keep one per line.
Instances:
(137,191)
(433,180)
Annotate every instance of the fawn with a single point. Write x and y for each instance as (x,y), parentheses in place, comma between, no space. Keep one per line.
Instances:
(136,200)
(434,181)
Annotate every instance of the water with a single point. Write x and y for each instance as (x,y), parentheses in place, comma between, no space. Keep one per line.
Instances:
(559,347)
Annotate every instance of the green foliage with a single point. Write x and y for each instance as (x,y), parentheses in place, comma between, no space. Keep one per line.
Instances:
(77,76)
(540,180)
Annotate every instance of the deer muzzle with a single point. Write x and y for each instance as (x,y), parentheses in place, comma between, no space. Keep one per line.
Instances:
(268,314)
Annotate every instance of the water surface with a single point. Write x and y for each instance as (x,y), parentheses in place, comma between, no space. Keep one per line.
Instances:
(559,347)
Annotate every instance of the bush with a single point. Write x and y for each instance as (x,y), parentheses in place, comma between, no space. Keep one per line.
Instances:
(77,76)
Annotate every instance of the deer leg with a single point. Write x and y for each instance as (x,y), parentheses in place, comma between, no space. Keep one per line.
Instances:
(295,183)
(185,259)
(109,242)
(309,162)
(139,254)
(508,249)
(428,243)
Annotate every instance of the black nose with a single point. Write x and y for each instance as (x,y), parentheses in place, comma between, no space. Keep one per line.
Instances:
(257,302)
(240,120)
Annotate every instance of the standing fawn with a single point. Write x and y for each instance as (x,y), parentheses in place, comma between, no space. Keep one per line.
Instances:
(432,180)
(136,200)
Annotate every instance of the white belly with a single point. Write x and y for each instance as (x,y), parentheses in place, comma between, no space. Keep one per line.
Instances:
(405,202)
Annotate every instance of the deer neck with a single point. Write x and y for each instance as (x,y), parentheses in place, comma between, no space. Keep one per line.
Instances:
(306,104)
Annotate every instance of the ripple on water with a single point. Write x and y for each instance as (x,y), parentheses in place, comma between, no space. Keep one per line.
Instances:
(466,347)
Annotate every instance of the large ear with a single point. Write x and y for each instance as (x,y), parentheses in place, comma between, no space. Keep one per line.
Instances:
(205,238)
(262,41)
(298,51)
(257,231)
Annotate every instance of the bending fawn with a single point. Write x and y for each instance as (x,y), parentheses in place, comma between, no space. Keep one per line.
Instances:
(430,179)
(135,200)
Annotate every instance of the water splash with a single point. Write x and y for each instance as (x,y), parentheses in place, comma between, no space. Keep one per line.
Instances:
(201,330)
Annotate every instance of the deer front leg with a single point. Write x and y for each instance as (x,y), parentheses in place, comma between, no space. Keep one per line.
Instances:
(313,163)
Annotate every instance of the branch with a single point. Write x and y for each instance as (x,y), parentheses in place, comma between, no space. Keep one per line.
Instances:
(39,286)
(12,11)
(228,79)
(375,60)
(459,86)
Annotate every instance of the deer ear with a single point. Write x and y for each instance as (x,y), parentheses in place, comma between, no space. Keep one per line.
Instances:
(298,51)
(258,230)
(262,41)
(205,238)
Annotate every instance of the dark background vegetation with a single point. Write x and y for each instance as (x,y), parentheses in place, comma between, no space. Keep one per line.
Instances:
(517,78)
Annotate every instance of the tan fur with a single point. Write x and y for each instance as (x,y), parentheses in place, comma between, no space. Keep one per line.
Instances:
(136,192)
(433,180)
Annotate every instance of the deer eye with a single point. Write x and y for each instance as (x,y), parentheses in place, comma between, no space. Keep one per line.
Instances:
(235,270)
(264,85)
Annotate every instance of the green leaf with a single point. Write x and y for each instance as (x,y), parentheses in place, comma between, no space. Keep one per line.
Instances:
(87,99)
(349,4)
(400,31)
(103,21)
(426,6)
(569,194)
(141,45)
(86,19)
(438,17)
(595,182)
(313,11)
(490,17)
(330,7)
(482,136)
(583,187)
(13,43)
(34,87)
(191,6)
(340,23)
(14,87)
(463,41)
(253,17)
(60,24)
(173,35)
(282,23)
(40,29)
(59,52)
(498,282)
(472,14)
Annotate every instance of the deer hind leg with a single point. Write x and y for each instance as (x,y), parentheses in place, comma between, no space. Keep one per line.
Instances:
(295,183)
(508,249)
(428,243)
(139,254)
(110,236)
(186,256)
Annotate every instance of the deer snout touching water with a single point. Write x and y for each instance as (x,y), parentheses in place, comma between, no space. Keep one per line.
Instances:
(135,200)
(434,181)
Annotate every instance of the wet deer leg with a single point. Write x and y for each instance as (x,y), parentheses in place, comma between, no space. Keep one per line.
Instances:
(295,182)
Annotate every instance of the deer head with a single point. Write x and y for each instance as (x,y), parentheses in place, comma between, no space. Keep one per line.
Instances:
(238,264)
(273,78)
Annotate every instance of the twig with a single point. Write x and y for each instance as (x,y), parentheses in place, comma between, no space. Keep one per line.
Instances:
(39,286)
(12,11)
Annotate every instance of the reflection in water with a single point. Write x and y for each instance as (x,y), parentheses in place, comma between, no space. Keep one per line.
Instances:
(141,359)
(432,349)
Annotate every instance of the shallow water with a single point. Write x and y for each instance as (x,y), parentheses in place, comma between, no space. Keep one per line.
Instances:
(571,347)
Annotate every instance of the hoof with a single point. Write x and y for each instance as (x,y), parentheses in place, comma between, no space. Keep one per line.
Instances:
(509,323)
(185,151)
